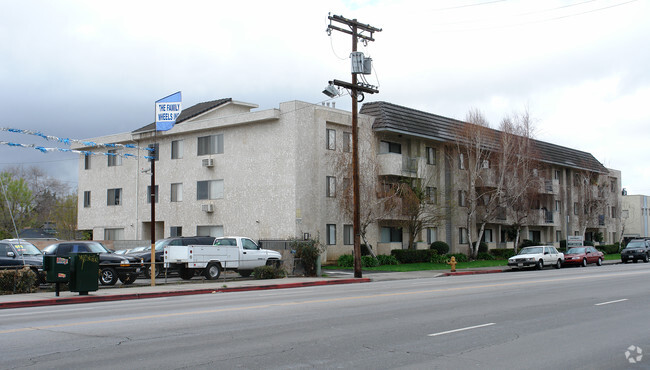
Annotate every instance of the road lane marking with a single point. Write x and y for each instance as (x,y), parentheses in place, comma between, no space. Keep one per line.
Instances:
(616,301)
(461,329)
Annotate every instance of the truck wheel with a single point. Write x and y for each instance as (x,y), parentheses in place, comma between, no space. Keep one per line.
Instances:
(212,272)
(186,274)
(147,271)
(107,276)
(245,273)
(128,279)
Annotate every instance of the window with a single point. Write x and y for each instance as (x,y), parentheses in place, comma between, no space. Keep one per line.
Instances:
(176,231)
(485,164)
(114,197)
(114,158)
(432,235)
(155,195)
(432,194)
(249,244)
(156,151)
(113,234)
(177,192)
(212,230)
(331,234)
(87,161)
(331,139)
(431,155)
(86,199)
(389,147)
(613,185)
(391,235)
(209,189)
(462,235)
(177,149)
(557,174)
(535,235)
(212,144)
(461,161)
(347,141)
(613,214)
(331,186)
(487,236)
(558,235)
(576,208)
(558,205)
(462,198)
(348,235)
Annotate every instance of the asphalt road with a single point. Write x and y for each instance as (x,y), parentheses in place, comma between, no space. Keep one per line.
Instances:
(570,318)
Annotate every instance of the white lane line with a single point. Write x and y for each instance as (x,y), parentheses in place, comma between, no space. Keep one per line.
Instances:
(461,329)
(604,303)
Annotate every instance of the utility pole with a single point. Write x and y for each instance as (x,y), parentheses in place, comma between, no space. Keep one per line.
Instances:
(356,31)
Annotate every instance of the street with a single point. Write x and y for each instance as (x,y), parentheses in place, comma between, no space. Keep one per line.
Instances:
(569,318)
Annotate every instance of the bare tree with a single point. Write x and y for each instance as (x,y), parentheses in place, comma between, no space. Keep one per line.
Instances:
(418,207)
(591,199)
(521,186)
(474,144)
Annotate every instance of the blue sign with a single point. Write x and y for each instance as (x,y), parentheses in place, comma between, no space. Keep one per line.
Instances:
(167,111)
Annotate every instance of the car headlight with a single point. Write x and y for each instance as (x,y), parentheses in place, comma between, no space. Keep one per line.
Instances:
(125,263)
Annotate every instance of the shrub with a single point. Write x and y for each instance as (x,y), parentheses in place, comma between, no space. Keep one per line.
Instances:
(482,247)
(346,260)
(460,257)
(485,256)
(413,255)
(18,280)
(439,258)
(526,243)
(369,261)
(308,252)
(387,260)
(588,243)
(268,272)
(365,250)
(440,247)
(608,248)
(502,253)
(563,244)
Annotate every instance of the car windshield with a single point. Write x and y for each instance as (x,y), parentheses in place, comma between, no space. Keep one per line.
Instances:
(575,250)
(531,250)
(635,244)
(98,248)
(27,249)
(160,245)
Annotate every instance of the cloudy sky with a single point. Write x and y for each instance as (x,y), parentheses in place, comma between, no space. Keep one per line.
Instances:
(83,69)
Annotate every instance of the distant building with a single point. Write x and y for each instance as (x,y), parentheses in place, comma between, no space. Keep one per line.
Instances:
(636,216)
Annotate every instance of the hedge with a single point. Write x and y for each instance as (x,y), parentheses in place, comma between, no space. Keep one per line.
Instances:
(413,255)
(18,280)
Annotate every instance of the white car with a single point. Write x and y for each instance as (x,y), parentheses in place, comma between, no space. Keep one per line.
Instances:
(538,256)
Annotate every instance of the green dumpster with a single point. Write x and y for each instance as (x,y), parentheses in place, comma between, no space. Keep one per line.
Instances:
(84,271)
(57,270)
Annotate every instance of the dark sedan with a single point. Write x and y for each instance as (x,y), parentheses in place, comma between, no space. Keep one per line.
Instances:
(581,256)
(111,266)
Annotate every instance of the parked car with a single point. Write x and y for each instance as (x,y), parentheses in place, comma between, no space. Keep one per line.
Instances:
(581,256)
(111,266)
(635,250)
(160,247)
(538,256)
(20,252)
(131,250)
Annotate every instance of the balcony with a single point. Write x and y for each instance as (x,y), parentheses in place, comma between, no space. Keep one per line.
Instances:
(550,187)
(393,164)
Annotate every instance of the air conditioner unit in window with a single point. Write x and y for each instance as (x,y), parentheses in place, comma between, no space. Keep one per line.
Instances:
(207,207)
(207,162)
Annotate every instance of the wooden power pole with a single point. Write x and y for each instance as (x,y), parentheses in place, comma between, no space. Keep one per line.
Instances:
(356,30)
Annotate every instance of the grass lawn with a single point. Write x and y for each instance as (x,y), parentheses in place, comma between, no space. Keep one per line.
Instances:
(441,266)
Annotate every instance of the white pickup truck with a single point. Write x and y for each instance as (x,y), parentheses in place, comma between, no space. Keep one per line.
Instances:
(229,253)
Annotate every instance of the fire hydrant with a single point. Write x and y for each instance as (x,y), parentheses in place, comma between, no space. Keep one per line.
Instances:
(452,262)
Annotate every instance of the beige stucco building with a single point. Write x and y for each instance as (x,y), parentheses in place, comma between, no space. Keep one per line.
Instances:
(636,216)
(226,168)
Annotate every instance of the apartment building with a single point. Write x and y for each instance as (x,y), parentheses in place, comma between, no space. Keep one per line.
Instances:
(576,194)
(223,169)
(226,168)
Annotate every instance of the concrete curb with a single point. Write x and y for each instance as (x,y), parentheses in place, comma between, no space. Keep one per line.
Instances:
(120,297)
(460,273)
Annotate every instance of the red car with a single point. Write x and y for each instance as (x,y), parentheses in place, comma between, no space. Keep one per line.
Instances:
(582,256)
